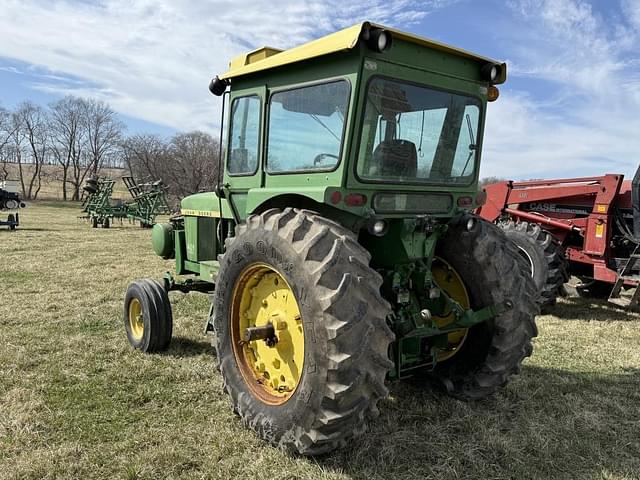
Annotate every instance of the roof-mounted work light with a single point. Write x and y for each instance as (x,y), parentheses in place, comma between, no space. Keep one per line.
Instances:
(377,39)
(491,71)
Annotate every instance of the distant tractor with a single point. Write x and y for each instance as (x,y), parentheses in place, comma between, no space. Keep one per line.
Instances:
(339,244)
(10,200)
(148,201)
(591,222)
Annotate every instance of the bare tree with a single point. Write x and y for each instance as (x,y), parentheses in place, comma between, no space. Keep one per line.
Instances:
(145,156)
(67,137)
(489,180)
(193,163)
(99,134)
(33,120)
(104,131)
(27,145)
(188,163)
(5,137)
(5,127)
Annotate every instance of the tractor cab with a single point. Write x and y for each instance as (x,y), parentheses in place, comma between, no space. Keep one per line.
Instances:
(368,120)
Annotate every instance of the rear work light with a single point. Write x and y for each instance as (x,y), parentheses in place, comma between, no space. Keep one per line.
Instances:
(491,71)
(377,39)
(465,202)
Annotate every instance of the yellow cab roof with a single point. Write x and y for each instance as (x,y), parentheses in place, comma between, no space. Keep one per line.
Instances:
(266,58)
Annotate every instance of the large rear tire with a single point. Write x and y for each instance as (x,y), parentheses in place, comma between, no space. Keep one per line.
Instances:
(546,262)
(327,400)
(494,273)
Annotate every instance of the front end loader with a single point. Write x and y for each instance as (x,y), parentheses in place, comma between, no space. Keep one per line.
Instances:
(587,227)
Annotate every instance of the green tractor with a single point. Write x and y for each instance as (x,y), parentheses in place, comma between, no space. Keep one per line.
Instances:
(338,245)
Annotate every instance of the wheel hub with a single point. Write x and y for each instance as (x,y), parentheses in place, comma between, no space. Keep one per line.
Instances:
(448,279)
(267,331)
(136,320)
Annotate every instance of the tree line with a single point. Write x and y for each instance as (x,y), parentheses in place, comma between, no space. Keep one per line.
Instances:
(84,136)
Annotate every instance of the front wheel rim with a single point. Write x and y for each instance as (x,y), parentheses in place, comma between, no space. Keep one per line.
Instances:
(272,368)
(136,320)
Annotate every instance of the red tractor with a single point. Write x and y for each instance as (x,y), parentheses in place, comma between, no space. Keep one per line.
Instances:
(587,227)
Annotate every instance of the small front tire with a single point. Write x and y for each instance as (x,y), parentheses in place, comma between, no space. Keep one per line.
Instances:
(148,320)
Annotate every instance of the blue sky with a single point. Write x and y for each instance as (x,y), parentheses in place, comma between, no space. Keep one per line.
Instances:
(570,106)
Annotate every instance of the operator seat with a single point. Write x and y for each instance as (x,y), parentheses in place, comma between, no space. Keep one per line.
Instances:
(396,158)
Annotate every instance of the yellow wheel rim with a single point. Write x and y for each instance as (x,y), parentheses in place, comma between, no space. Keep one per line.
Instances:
(449,280)
(136,321)
(262,296)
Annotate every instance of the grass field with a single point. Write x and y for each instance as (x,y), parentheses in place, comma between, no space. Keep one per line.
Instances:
(51,188)
(77,402)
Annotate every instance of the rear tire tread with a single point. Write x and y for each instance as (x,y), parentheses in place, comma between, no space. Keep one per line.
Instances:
(556,263)
(355,375)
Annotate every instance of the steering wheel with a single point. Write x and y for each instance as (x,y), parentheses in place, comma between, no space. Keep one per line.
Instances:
(321,156)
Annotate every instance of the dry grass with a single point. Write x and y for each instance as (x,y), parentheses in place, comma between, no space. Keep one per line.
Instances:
(52,180)
(77,402)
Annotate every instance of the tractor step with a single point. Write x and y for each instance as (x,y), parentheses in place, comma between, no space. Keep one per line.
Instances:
(626,302)
(624,276)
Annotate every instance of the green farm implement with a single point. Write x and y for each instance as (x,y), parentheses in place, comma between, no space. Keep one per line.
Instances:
(148,201)
(339,244)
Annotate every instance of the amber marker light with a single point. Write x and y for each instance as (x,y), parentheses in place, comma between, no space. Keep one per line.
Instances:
(492,93)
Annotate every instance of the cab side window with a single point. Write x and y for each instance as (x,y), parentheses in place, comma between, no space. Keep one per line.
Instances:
(306,127)
(244,136)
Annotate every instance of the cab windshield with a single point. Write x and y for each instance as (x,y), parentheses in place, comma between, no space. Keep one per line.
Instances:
(415,134)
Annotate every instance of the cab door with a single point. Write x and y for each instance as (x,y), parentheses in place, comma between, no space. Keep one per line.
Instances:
(243,152)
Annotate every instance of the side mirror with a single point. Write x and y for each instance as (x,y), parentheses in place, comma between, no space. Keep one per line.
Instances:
(218,86)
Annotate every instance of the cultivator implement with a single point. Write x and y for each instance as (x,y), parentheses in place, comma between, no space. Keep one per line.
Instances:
(149,201)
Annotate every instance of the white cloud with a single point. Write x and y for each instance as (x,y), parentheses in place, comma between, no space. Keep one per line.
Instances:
(152,59)
(632,10)
(590,123)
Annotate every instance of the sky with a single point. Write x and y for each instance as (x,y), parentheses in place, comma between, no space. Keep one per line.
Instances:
(570,107)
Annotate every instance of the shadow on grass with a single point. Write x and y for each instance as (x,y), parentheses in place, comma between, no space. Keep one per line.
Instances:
(55,204)
(547,424)
(32,229)
(591,309)
(185,347)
